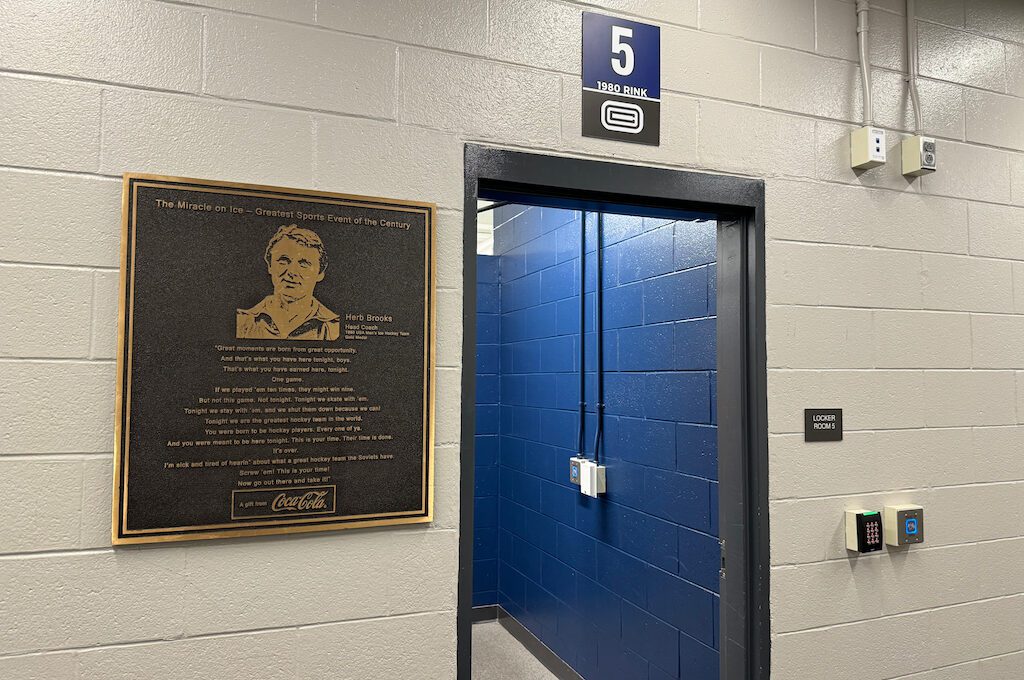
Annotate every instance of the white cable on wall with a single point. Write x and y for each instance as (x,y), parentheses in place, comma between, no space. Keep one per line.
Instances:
(865,67)
(915,102)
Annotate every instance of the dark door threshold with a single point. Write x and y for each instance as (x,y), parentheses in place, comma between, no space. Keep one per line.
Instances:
(487,612)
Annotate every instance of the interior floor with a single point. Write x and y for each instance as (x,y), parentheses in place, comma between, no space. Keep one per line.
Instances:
(497,655)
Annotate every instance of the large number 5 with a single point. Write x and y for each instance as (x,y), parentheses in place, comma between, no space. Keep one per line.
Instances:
(623,64)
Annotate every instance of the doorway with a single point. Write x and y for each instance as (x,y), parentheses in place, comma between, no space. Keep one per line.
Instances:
(646,205)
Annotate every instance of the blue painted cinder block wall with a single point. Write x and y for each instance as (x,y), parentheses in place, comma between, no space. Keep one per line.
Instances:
(485,529)
(624,586)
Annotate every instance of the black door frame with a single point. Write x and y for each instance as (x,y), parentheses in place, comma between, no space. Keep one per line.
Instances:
(742,384)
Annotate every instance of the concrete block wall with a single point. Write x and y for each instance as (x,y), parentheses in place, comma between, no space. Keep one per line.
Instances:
(625,585)
(875,286)
(488,376)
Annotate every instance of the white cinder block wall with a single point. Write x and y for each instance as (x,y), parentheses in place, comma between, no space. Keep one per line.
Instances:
(900,301)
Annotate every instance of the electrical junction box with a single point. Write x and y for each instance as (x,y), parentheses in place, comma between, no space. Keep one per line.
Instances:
(904,524)
(919,155)
(574,469)
(867,147)
(593,480)
(863,531)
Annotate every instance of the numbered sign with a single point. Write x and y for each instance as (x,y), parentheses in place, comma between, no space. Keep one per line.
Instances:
(621,79)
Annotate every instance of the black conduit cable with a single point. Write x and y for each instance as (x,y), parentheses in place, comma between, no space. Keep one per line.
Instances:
(583,312)
(599,341)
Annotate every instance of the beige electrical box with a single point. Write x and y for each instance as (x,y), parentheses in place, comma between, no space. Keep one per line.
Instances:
(593,479)
(918,155)
(867,148)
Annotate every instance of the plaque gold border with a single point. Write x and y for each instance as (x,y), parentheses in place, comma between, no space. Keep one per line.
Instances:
(122,411)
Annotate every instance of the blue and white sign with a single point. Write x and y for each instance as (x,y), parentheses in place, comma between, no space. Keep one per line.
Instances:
(621,79)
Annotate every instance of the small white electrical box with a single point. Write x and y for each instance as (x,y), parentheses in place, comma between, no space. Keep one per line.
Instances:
(863,531)
(919,155)
(575,463)
(904,524)
(867,147)
(593,481)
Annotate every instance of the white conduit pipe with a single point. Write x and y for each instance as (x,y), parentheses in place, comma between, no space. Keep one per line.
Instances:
(865,67)
(915,102)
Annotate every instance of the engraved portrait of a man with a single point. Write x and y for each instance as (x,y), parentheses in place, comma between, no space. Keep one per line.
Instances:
(296,261)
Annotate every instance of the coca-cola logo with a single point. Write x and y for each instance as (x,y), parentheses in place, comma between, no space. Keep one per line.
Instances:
(310,501)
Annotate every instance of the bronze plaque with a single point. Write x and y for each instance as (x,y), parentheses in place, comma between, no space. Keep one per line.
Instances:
(275,361)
